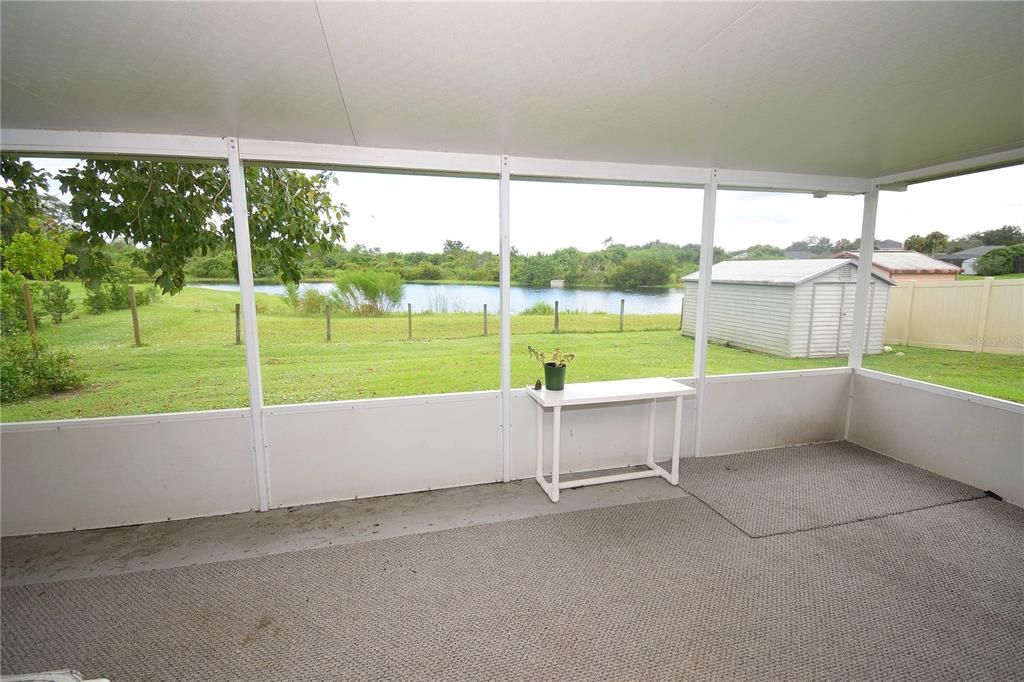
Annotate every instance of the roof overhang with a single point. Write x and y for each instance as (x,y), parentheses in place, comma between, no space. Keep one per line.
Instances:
(825,97)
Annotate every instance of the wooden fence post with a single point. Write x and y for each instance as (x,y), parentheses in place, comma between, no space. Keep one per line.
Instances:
(410,321)
(485,319)
(682,313)
(135,316)
(556,317)
(26,291)
(986,295)
(622,311)
(238,324)
(327,312)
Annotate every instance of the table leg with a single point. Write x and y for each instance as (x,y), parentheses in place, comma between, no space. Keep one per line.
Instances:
(650,431)
(676,433)
(557,428)
(540,443)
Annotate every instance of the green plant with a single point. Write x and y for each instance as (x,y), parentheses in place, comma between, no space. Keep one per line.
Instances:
(112,292)
(314,301)
(538,308)
(12,302)
(368,292)
(28,368)
(293,295)
(1000,261)
(557,358)
(56,300)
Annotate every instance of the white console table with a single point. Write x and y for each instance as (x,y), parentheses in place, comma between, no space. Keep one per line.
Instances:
(604,393)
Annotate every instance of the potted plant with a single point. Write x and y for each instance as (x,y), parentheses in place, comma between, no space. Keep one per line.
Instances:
(554,367)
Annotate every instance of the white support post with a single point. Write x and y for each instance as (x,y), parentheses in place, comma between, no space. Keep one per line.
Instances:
(859,333)
(700,336)
(505,277)
(243,252)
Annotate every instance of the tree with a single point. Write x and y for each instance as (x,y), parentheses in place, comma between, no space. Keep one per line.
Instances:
(930,243)
(21,200)
(1001,261)
(765,252)
(177,210)
(642,269)
(37,255)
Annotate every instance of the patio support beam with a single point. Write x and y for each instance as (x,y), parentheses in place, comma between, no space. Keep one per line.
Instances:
(243,252)
(700,340)
(859,332)
(505,284)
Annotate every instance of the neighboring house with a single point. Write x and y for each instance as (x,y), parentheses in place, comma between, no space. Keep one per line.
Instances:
(968,258)
(801,255)
(907,266)
(888,245)
(791,308)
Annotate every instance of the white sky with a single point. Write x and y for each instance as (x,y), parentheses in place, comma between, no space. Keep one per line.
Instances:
(417,213)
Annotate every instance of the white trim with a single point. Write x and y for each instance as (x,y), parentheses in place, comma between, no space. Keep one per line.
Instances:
(967,396)
(783,374)
(124,420)
(790,182)
(1010,157)
(367,158)
(563,170)
(700,341)
(81,143)
(243,254)
(858,334)
(505,309)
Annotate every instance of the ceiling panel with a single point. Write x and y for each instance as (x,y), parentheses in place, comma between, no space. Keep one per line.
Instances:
(254,70)
(860,89)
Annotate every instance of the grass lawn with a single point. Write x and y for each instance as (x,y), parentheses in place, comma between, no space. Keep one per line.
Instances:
(1012,275)
(189,360)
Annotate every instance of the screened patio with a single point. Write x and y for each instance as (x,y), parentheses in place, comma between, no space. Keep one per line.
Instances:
(835,522)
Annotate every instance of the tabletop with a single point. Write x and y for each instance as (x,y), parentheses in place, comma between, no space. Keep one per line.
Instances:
(621,391)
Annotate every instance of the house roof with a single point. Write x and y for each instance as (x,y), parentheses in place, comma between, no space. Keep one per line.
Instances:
(904,262)
(773,272)
(973,252)
(798,254)
(840,89)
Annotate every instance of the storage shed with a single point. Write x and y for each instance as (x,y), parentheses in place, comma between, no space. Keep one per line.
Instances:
(791,308)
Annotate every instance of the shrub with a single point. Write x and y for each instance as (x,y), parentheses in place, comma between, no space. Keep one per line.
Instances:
(367,292)
(28,368)
(642,270)
(12,302)
(314,301)
(1000,261)
(112,293)
(539,308)
(426,271)
(56,299)
(292,295)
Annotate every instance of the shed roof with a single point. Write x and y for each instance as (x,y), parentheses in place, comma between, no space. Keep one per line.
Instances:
(906,262)
(839,89)
(773,272)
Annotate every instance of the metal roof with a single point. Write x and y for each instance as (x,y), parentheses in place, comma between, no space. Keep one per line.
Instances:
(973,252)
(897,262)
(840,89)
(773,272)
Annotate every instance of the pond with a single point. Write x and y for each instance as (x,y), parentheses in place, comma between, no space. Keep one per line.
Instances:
(455,298)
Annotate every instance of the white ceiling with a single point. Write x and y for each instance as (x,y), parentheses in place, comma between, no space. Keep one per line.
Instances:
(859,89)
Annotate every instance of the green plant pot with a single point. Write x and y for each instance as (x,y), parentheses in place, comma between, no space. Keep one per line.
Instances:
(554,376)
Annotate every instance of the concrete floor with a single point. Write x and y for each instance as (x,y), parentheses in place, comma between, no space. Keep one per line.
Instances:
(66,556)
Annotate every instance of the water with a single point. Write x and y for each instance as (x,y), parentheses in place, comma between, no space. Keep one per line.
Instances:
(454,298)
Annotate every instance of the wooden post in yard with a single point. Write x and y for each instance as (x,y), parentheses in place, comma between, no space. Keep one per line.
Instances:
(485,319)
(238,324)
(622,311)
(327,312)
(410,321)
(26,291)
(682,313)
(135,316)
(556,317)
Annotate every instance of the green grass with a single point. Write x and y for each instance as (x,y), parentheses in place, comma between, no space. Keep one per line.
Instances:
(189,360)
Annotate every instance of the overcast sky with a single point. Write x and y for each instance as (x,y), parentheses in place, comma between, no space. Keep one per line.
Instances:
(418,213)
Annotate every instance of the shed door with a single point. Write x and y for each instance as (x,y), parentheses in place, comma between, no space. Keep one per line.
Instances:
(831,318)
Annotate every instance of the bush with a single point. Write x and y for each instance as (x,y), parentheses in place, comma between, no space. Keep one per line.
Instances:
(1000,261)
(28,368)
(12,302)
(539,308)
(366,292)
(56,300)
(314,301)
(112,293)
(426,271)
(642,270)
